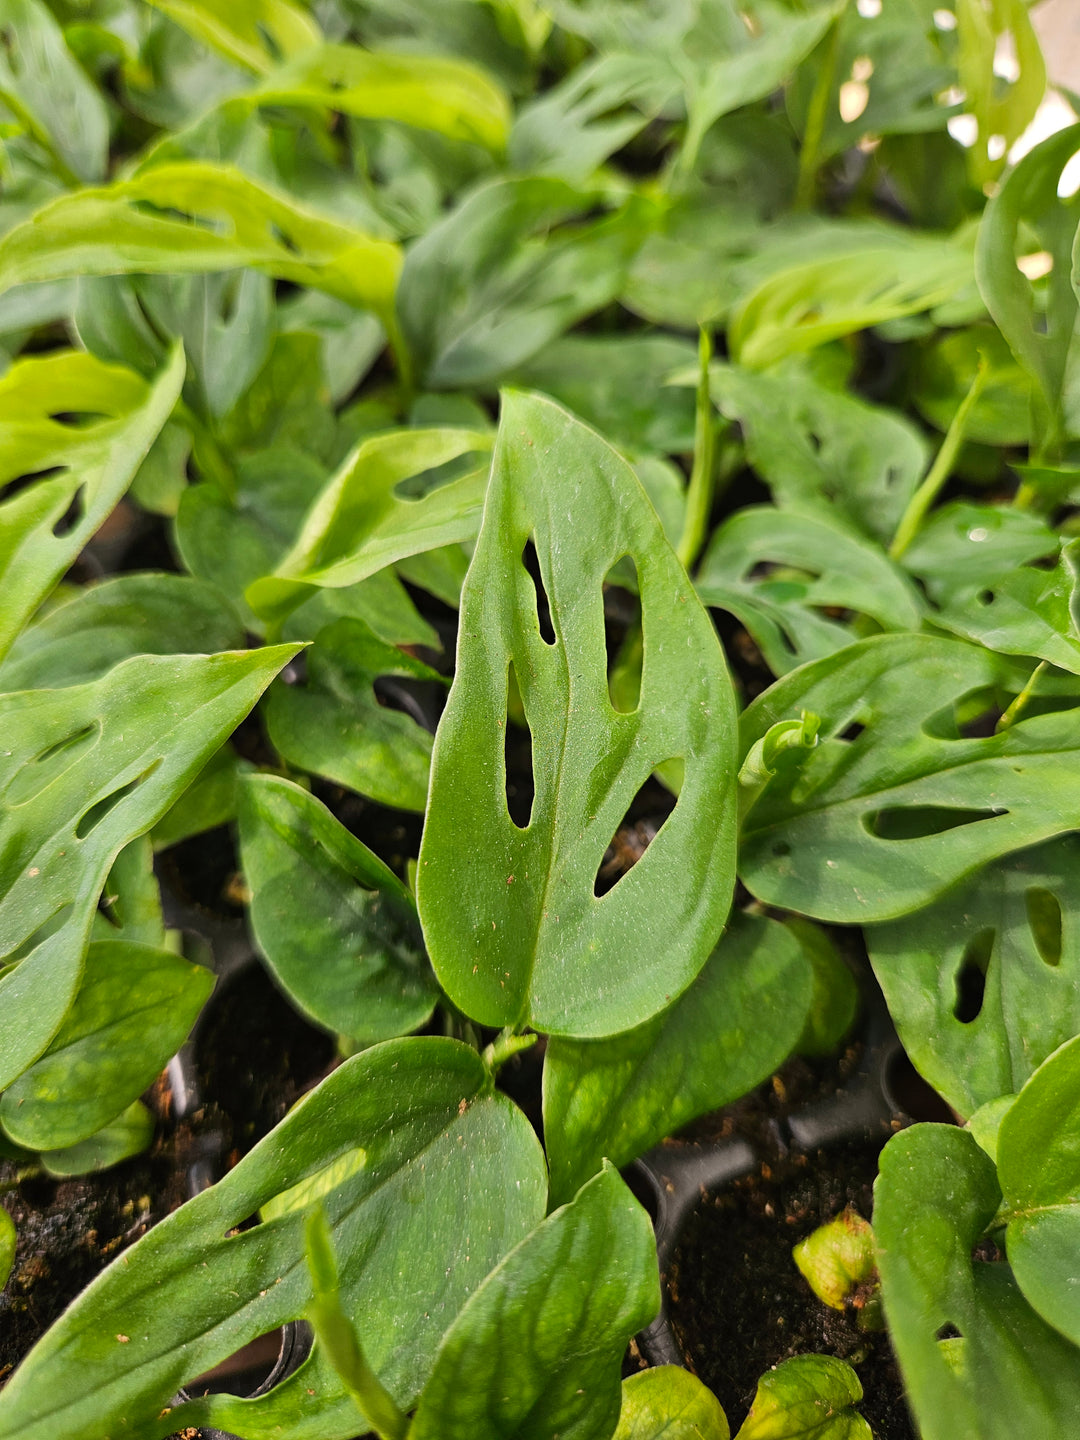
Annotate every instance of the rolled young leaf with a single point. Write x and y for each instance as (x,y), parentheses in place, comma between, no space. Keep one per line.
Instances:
(515,930)
(537,1350)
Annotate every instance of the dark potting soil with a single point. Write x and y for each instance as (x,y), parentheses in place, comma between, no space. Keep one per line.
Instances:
(255,1057)
(739,1305)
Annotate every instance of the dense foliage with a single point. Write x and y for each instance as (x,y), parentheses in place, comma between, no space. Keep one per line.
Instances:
(680,360)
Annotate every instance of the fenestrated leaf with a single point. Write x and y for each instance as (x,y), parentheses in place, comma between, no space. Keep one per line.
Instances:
(537,1350)
(127,615)
(332,724)
(192,216)
(733,1027)
(1027,610)
(49,93)
(83,772)
(127,1135)
(336,927)
(392,1144)
(668,1403)
(820,300)
(809,1397)
(67,474)
(1039,1172)
(871,827)
(1009,1373)
(810,566)
(1001,107)
(823,452)
(962,546)
(251,33)
(432,92)
(506,272)
(134,1008)
(1039,324)
(514,929)
(361,523)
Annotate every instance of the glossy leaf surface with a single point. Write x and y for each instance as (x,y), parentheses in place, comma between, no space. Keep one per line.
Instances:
(226,220)
(809,1397)
(733,1027)
(134,1008)
(334,725)
(336,927)
(935,1194)
(65,476)
(1005,946)
(668,1403)
(537,1350)
(391,1143)
(87,769)
(129,1134)
(513,926)
(871,827)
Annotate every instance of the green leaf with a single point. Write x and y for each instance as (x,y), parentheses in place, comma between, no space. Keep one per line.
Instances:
(823,452)
(1002,413)
(836,996)
(733,1027)
(362,522)
(209,801)
(871,827)
(50,94)
(1003,110)
(963,546)
(190,217)
(434,93)
(820,300)
(392,1143)
(250,33)
(1039,1173)
(537,1350)
(1009,1373)
(129,1134)
(101,764)
(508,271)
(837,1258)
(514,929)
(133,1010)
(8,1241)
(668,1403)
(130,906)
(336,927)
(71,473)
(332,724)
(1038,323)
(128,615)
(1025,611)
(780,573)
(809,1397)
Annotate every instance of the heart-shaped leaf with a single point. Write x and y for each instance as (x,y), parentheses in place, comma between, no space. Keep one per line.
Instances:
(733,1027)
(872,826)
(983,984)
(392,1144)
(134,1008)
(84,771)
(59,478)
(537,1350)
(515,930)
(668,1403)
(336,927)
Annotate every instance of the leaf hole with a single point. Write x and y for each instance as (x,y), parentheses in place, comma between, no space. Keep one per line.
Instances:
(11,488)
(531,561)
(1044,922)
(257,1367)
(947,1332)
(56,922)
(74,513)
(517,756)
(985,597)
(851,732)
(425,482)
(47,766)
(78,419)
(281,238)
(645,817)
(971,976)
(421,700)
(621,587)
(918,822)
(92,818)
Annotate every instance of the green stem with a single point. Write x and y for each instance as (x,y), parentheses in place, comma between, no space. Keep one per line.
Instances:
(941,469)
(505,1045)
(1020,704)
(818,109)
(700,492)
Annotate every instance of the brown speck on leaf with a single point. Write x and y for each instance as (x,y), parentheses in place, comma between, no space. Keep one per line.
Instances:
(123,1339)
(463,1105)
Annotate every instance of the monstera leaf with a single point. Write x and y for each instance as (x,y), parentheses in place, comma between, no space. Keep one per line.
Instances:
(515,929)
